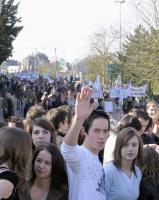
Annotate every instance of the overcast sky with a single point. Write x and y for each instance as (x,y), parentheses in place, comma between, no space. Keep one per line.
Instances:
(66,25)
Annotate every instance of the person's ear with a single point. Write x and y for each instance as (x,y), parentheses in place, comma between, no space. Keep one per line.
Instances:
(84,132)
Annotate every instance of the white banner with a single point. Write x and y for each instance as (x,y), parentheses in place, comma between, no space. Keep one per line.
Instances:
(129,91)
(139,91)
(108,107)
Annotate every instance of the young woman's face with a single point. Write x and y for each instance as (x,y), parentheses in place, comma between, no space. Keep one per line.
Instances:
(153,111)
(40,134)
(43,164)
(130,150)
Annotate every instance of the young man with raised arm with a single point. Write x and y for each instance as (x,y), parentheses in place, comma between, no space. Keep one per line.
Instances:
(86,176)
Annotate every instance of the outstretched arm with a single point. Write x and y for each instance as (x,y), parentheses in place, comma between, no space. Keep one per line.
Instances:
(83,109)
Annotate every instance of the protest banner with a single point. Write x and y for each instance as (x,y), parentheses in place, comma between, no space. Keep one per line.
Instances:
(139,91)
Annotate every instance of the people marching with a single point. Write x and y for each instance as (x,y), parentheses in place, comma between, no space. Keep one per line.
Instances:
(59,141)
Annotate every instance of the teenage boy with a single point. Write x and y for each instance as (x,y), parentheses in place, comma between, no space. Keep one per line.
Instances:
(86,177)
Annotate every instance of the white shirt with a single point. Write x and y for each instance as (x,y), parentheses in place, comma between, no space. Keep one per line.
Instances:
(109,148)
(85,172)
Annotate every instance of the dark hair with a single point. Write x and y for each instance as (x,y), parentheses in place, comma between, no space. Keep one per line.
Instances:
(91,100)
(139,113)
(129,121)
(2,124)
(69,112)
(59,178)
(15,150)
(18,122)
(150,165)
(95,115)
(45,124)
(150,124)
(122,138)
(56,116)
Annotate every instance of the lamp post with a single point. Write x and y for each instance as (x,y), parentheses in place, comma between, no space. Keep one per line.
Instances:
(120,2)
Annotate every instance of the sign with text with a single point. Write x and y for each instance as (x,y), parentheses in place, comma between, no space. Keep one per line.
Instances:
(131,91)
(139,91)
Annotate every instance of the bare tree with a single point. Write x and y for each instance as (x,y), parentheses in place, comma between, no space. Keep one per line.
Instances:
(100,49)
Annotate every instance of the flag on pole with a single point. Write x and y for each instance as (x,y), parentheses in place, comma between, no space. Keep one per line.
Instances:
(97,89)
(118,87)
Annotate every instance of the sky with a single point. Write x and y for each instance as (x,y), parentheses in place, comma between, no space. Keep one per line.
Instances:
(66,25)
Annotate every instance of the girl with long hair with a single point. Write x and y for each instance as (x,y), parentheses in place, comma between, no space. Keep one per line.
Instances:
(15,152)
(126,121)
(122,176)
(149,187)
(49,177)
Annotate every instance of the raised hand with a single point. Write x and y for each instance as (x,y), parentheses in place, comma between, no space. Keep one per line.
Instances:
(83,108)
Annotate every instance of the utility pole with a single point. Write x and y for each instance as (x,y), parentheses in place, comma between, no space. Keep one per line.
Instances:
(55,61)
(120,31)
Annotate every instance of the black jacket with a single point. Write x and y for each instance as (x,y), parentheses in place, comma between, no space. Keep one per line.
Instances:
(148,190)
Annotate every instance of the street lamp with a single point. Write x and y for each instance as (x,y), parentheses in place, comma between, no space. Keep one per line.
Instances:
(120,2)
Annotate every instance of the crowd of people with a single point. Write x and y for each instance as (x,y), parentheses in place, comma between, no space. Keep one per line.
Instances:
(64,146)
